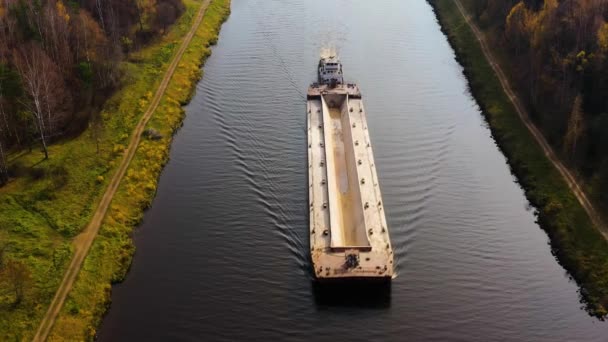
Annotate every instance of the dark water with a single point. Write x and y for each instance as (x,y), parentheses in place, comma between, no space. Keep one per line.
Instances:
(222,254)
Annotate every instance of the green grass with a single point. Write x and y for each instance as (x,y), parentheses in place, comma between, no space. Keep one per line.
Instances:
(578,245)
(42,211)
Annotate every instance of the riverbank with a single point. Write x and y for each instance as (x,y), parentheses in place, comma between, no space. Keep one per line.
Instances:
(112,252)
(43,210)
(578,245)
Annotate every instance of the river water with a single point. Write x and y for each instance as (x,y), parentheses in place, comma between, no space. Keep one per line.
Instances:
(222,253)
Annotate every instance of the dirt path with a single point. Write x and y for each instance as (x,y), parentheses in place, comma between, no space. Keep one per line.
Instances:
(540,139)
(82,243)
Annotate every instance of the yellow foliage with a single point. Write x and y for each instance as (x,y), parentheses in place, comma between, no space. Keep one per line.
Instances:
(61,10)
(550,5)
(602,37)
(118,148)
(521,24)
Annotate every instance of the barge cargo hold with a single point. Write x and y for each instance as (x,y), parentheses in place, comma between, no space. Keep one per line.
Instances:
(349,237)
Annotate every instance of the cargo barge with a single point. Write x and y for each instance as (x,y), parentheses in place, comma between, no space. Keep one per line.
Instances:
(349,237)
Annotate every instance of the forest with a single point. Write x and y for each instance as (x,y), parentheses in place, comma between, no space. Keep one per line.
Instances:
(60,60)
(557,55)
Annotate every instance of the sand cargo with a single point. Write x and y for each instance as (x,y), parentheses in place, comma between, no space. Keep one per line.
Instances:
(349,237)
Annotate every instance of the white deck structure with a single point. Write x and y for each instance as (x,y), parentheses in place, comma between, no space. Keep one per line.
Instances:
(349,236)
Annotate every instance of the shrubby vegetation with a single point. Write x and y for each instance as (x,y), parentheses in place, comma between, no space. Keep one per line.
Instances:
(558,52)
(60,60)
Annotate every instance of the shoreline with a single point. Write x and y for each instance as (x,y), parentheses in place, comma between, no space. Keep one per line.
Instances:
(49,203)
(577,244)
(90,297)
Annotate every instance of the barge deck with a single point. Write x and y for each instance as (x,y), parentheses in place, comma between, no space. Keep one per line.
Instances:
(349,236)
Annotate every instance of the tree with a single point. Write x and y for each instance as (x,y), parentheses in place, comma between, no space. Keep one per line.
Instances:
(101,58)
(47,96)
(517,29)
(166,15)
(30,65)
(602,38)
(575,126)
(58,55)
(56,35)
(89,37)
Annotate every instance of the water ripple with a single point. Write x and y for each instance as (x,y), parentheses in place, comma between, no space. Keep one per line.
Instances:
(223,254)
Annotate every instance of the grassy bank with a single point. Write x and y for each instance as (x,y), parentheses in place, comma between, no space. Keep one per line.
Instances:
(51,201)
(578,245)
(110,255)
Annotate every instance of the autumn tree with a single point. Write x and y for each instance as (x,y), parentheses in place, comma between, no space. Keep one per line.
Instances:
(557,55)
(56,35)
(98,59)
(518,26)
(30,66)
(166,13)
(47,99)
(602,43)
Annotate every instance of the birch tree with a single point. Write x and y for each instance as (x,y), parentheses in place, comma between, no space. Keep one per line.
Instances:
(46,93)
